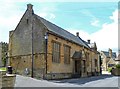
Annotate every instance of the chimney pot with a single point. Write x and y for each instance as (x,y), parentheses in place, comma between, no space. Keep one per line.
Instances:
(29,6)
(88,41)
(77,34)
(110,52)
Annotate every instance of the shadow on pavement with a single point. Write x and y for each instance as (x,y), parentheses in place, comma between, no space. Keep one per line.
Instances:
(80,81)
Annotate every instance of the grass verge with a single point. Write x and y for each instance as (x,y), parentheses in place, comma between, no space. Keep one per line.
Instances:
(3,69)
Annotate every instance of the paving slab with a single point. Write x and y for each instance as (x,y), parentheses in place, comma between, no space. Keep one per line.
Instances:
(96,81)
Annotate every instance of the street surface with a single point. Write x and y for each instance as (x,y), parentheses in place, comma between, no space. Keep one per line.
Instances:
(105,80)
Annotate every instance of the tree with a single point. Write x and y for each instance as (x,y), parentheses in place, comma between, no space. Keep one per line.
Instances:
(4,59)
(4,53)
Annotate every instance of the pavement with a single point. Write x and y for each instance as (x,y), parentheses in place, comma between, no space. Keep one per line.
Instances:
(105,80)
(106,72)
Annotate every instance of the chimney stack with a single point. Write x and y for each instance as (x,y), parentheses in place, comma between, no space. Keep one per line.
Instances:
(110,52)
(10,33)
(29,6)
(77,34)
(88,41)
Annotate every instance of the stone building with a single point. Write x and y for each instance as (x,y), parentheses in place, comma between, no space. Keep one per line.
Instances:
(41,49)
(108,59)
(3,53)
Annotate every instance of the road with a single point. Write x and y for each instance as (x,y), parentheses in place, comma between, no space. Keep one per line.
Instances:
(95,81)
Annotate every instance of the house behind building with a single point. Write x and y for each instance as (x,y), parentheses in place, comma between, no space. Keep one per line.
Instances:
(108,59)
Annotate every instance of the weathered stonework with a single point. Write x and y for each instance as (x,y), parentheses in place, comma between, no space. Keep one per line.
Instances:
(7,80)
(62,68)
(20,63)
(58,75)
(116,72)
(29,37)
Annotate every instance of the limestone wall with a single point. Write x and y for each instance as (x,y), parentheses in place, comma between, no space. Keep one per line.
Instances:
(28,34)
(62,68)
(7,80)
(20,63)
(116,71)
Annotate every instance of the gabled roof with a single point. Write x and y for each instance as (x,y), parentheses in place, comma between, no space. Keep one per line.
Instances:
(61,32)
(107,54)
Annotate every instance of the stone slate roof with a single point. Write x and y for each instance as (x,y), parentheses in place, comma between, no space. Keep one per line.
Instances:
(107,54)
(61,32)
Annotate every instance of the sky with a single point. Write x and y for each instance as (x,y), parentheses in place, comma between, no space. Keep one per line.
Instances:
(97,21)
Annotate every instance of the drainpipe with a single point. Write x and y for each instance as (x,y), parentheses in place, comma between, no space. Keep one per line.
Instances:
(91,63)
(32,53)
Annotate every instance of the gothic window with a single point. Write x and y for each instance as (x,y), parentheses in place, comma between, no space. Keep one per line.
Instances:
(84,66)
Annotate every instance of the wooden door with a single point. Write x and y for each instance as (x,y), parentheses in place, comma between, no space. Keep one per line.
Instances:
(77,67)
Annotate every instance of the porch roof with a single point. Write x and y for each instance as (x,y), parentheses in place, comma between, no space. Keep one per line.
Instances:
(77,55)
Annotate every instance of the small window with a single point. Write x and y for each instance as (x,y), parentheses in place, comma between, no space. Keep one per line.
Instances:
(111,65)
(66,54)
(84,66)
(56,52)
(87,58)
(96,63)
(27,21)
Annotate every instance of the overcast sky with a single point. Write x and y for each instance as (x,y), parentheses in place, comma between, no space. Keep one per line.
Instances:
(97,21)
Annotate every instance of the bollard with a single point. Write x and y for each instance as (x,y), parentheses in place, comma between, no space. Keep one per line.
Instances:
(9,69)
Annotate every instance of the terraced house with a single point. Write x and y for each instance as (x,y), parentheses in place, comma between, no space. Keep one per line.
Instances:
(41,49)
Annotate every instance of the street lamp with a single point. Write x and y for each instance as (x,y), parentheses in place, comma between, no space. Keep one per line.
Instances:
(46,42)
(46,36)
